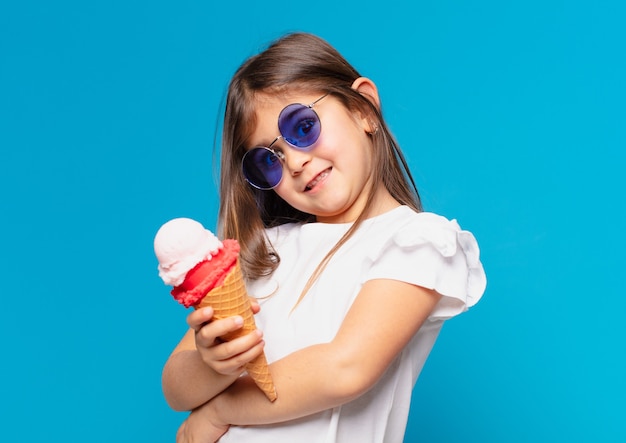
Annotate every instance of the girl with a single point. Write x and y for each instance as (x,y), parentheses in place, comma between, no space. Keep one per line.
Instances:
(354,281)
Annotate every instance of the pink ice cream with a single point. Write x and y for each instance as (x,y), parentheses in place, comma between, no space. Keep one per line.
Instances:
(192,259)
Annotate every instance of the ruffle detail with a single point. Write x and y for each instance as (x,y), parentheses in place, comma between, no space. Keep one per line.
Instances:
(435,253)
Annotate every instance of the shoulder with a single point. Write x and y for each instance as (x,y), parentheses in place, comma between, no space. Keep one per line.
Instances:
(405,227)
(429,233)
(429,250)
(407,216)
(421,228)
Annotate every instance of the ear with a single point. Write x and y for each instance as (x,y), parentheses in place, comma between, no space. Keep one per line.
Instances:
(368,89)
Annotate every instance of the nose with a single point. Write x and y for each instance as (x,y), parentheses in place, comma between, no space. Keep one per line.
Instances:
(295,160)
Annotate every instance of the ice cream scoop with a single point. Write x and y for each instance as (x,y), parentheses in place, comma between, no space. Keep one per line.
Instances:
(180,244)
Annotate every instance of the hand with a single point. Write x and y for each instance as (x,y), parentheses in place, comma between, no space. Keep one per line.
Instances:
(226,358)
(200,427)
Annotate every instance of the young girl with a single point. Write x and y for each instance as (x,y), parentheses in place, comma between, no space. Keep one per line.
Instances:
(353,280)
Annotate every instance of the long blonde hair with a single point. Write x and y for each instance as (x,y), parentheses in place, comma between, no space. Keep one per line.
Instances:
(304,63)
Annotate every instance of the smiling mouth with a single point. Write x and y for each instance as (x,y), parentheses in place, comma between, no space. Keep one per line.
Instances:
(318,178)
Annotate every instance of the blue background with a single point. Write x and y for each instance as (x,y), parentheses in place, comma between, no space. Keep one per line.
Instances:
(512,116)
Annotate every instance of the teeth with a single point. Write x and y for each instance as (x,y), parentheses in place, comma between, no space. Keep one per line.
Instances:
(317,179)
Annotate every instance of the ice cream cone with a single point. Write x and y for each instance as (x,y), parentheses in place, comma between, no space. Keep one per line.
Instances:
(205,272)
(227,300)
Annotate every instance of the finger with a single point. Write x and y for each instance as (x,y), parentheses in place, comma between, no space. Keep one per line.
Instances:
(180,434)
(208,333)
(235,364)
(254,304)
(238,346)
(250,354)
(200,317)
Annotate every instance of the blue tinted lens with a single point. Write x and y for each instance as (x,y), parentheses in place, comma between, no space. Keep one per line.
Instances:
(299,125)
(262,168)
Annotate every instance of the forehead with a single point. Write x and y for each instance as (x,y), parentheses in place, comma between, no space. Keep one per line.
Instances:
(265,102)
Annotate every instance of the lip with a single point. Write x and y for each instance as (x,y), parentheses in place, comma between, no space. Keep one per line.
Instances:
(317,180)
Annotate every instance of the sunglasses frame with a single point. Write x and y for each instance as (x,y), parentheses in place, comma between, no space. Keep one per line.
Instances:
(278,154)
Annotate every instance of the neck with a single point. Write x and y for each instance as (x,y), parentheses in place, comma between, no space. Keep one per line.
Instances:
(382,202)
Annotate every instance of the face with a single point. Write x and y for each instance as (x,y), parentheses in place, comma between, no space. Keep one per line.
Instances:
(331,179)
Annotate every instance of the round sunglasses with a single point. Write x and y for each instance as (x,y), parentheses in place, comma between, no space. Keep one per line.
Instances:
(300,126)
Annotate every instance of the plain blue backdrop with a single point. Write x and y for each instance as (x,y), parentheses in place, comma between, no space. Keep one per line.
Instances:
(511,114)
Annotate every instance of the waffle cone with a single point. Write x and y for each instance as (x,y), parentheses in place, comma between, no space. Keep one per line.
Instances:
(227,300)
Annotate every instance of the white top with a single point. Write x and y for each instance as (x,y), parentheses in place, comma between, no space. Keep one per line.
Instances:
(424,249)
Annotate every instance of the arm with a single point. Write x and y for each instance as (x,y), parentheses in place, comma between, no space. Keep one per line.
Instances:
(382,320)
(201,366)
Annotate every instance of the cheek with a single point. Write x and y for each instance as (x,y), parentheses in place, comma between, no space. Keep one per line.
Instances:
(282,190)
(363,158)
(355,149)
(333,145)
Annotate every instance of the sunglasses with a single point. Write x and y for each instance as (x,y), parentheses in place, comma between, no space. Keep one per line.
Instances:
(300,126)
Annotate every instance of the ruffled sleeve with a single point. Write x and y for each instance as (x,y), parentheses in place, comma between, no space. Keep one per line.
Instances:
(435,253)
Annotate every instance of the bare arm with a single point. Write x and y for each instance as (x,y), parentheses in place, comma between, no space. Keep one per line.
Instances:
(382,320)
(201,366)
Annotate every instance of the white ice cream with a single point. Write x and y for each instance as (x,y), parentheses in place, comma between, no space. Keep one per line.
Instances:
(179,245)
